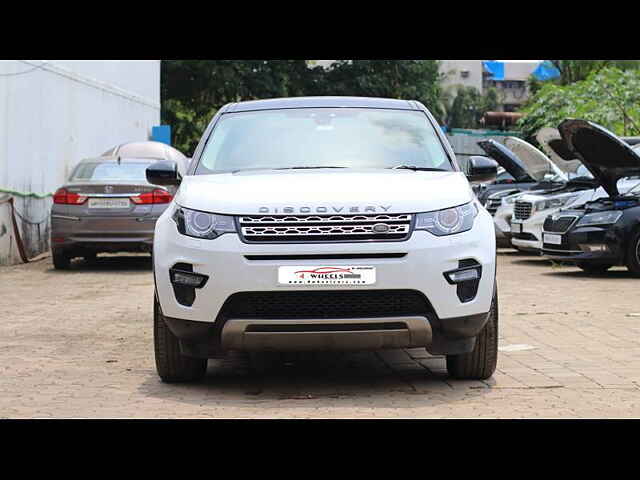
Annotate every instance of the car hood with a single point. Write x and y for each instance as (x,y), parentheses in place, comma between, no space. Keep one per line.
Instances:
(507,160)
(554,146)
(604,154)
(537,163)
(323,191)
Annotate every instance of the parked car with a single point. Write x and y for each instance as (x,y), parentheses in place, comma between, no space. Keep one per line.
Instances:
(604,232)
(531,209)
(528,166)
(107,205)
(525,161)
(303,224)
(504,212)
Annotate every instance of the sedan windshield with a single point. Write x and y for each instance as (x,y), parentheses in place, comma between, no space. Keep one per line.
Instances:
(323,138)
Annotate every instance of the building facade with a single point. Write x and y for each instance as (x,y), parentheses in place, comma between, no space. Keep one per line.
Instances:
(508,77)
(53,113)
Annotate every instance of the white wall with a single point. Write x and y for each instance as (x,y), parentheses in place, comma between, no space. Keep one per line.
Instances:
(452,70)
(66,110)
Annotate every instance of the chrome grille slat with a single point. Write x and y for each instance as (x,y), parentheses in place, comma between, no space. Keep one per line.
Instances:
(522,210)
(320,228)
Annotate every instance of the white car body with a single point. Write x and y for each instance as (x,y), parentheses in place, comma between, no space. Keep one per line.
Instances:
(242,263)
(427,257)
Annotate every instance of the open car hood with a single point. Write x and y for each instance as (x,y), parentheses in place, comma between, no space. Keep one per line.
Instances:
(553,145)
(606,156)
(507,160)
(536,162)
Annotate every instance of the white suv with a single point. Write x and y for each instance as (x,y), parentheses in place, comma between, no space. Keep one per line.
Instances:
(324,223)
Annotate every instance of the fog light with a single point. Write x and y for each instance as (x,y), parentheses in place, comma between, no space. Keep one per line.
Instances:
(463,275)
(594,248)
(187,279)
(466,278)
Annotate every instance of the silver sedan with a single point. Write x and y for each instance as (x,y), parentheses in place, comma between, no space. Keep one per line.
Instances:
(108,206)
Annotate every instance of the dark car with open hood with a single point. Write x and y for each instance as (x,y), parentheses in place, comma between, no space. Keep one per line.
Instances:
(528,168)
(604,232)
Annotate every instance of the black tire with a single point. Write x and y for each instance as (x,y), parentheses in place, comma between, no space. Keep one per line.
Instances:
(61,260)
(633,255)
(171,365)
(480,363)
(594,268)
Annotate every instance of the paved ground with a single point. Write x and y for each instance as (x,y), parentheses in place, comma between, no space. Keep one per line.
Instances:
(79,344)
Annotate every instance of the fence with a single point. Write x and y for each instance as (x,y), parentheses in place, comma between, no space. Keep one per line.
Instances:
(465,142)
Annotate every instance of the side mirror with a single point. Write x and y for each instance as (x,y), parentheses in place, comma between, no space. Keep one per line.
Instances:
(482,169)
(164,173)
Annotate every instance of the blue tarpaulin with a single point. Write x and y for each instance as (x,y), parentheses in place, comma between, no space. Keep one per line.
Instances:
(161,133)
(496,69)
(545,71)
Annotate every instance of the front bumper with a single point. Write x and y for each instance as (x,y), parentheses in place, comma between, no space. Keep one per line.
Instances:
(224,260)
(575,246)
(527,234)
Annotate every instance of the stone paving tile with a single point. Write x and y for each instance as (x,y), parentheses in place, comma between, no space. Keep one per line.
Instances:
(84,350)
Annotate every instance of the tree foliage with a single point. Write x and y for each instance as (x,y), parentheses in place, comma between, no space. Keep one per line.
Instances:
(572,71)
(467,108)
(608,96)
(193,90)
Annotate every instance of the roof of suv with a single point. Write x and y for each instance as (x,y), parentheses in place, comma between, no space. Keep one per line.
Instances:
(321,102)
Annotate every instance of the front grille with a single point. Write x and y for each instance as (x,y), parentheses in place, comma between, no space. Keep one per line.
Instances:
(325,304)
(522,210)
(324,228)
(493,204)
(559,225)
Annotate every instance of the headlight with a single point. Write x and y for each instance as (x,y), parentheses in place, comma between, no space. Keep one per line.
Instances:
(600,218)
(448,221)
(194,223)
(554,202)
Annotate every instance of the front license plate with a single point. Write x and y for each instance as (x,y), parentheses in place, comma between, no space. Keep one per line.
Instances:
(325,275)
(108,203)
(516,227)
(552,239)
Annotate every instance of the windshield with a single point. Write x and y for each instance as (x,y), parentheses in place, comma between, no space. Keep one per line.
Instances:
(111,171)
(322,137)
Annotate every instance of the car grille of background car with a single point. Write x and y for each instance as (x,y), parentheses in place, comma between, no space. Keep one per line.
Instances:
(560,224)
(522,210)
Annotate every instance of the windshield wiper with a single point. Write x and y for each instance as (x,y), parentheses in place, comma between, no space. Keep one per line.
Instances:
(305,167)
(417,169)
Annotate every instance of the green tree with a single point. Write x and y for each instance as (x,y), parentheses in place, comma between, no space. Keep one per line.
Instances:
(469,106)
(193,90)
(572,71)
(608,96)
(403,79)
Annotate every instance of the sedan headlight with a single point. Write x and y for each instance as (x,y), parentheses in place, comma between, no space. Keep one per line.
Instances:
(600,218)
(554,202)
(195,223)
(448,221)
